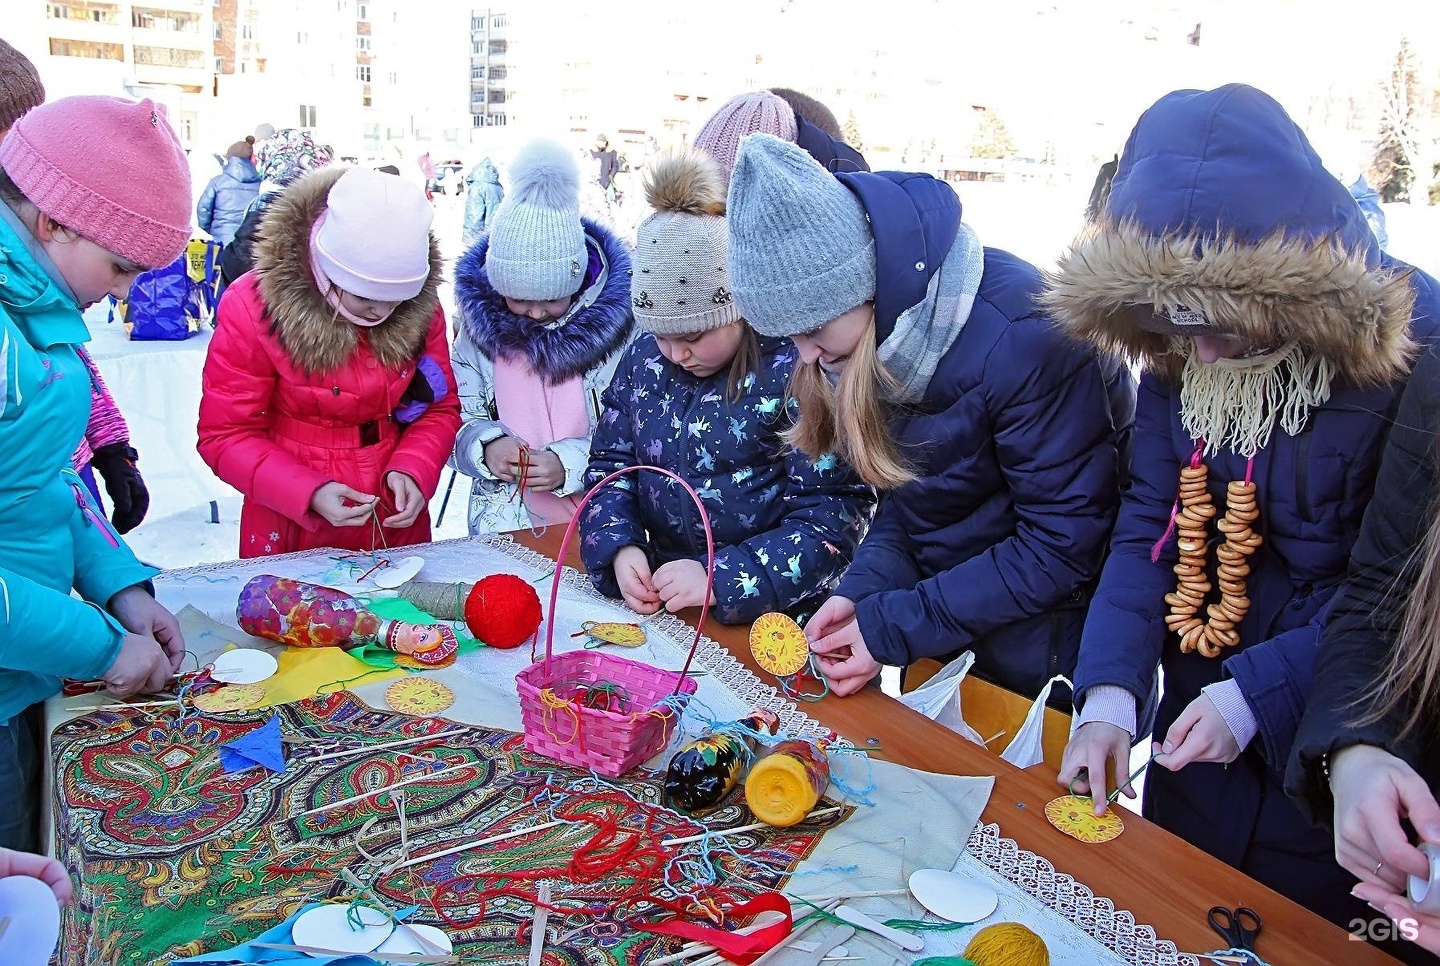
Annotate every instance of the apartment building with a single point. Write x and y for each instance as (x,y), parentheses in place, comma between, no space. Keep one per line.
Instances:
(489,67)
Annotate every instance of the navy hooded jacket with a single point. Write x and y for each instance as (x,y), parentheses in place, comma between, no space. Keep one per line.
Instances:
(1017,445)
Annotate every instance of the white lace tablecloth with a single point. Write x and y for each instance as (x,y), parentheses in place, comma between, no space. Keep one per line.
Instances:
(921,820)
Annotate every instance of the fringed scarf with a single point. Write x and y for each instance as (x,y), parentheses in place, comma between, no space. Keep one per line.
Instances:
(1234,403)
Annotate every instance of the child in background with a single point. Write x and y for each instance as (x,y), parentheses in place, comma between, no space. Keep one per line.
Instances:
(281,159)
(229,194)
(327,393)
(93,190)
(704,396)
(544,304)
(105,448)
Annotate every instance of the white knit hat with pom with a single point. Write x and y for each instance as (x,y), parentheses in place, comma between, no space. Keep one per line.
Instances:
(537,244)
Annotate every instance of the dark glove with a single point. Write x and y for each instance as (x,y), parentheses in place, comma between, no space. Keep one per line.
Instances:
(427,385)
(116,465)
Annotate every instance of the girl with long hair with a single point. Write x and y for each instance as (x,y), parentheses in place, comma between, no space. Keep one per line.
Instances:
(928,368)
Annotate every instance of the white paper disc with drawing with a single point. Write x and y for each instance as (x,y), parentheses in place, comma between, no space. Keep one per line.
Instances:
(243,665)
(329,927)
(29,921)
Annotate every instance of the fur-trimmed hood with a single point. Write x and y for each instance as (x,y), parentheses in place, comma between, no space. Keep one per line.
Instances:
(598,322)
(316,338)
(1220,205)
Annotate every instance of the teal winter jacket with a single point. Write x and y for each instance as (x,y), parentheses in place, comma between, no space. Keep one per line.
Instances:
(52,537)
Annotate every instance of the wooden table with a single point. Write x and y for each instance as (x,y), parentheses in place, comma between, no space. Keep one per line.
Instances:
(1165,882)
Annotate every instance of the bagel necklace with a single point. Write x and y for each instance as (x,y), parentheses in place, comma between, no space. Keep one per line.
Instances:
(1190,519)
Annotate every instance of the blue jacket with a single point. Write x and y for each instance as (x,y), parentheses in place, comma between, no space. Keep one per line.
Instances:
(226,199)
(1017,444)
(1297,263)
(483,195)
(784,527)
(52,536)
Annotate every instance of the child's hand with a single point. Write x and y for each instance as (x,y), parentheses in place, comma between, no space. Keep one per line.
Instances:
(845,659)
(546,472)
(140,613)
(632,573)
(1098,749)
(1199,734)
(41,867)
(409,501)
(141,667)
(502,458)
(836,612)
(341,506)
(682,584)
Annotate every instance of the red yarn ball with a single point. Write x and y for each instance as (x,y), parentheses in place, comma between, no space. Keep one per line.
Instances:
(502,611)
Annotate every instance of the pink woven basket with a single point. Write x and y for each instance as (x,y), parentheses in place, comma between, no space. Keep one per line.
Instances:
(559,725)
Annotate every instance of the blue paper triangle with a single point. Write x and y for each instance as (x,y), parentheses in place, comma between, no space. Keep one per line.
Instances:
(259,747)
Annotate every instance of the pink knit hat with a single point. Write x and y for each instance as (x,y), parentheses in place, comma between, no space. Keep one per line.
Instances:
(373,239)
(108,168)
(741,115)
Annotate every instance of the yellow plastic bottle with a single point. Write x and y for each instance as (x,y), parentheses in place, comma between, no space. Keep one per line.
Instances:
(785,785)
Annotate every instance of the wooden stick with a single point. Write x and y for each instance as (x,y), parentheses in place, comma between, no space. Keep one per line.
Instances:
(388,744)
(1242,960)
(846,896)
(384,957)
(537,931)
(745,828)
(405,781)
(121,705)
(479,842)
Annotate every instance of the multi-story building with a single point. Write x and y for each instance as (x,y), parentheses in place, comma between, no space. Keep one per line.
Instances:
(489,67)
(238,47)
(160,49)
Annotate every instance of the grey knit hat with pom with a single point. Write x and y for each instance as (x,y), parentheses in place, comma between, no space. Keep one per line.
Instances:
(681,284)
(537,244)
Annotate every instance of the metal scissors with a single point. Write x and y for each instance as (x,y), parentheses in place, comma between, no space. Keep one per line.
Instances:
(1239,927)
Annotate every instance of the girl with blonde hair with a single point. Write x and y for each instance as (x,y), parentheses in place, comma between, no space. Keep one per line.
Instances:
(927,367)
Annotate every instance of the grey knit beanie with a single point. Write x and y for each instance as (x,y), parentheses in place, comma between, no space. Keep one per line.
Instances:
(537,244)
(801,252)
(681,283)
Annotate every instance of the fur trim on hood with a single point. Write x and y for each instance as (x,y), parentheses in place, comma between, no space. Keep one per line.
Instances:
(1280,290)
(1220,205)
(317,338)
(598,322)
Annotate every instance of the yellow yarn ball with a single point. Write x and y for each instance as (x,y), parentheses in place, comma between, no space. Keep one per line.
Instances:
(1007,944)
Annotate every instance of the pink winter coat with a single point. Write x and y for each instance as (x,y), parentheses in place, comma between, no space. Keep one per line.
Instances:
(295,397)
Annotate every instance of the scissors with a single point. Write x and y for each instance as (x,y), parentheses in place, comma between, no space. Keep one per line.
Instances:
(1239,927)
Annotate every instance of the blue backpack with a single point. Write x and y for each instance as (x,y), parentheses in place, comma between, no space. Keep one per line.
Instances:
(164,303)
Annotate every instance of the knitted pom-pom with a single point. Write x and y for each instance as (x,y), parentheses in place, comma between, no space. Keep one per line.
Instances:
(1007,944)
(544,173)
(502,611)
(689,183)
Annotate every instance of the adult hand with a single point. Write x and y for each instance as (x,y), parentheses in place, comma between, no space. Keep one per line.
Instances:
(116,465)
(844,658)
(546,472)
(682,584)
(342,506)
(141,667)
(409,501)
(632,573)
(1097,750)
(502,458)
(836,612)
(1420,928)
(1374,791)
(141,614)
(1199,734)
(41,867)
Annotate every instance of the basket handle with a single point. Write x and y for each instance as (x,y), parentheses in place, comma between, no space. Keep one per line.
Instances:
(709,567)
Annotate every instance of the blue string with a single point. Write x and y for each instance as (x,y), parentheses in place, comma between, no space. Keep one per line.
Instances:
(844,756)
(1247,953)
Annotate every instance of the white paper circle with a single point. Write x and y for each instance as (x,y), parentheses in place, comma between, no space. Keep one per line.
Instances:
(401,941)
(328,927)
(952,897)
(399,572)
(34,928)
(243,665)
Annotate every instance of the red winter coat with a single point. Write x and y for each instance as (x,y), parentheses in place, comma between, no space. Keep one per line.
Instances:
(295,397)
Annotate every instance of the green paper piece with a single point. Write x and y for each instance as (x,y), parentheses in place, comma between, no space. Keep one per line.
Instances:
(399,609)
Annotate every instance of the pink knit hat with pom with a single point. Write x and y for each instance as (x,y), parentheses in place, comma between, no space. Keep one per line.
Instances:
(108,168)
(741,115)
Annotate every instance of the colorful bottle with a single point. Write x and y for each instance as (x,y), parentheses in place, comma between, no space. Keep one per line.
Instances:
(785,785)
(704,771)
